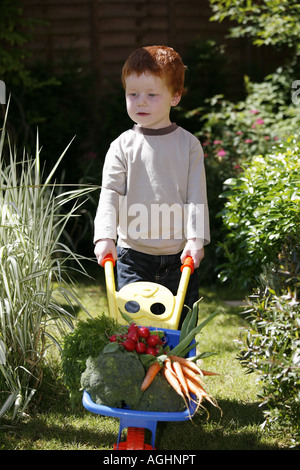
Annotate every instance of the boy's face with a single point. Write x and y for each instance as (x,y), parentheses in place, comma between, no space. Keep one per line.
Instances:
(149,100)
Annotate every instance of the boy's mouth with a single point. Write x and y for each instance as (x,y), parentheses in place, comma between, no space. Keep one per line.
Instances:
(143,114)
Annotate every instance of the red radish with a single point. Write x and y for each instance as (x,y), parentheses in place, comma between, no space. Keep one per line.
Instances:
(113,338)
(144,332)
(129,344)
(151,351)
(133,327)
(153,340)
(141,348)
(133,335)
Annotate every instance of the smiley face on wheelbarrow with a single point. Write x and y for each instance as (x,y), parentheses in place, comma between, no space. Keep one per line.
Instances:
(143,298)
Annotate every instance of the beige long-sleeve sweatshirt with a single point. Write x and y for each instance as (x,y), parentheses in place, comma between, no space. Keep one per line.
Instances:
(153,194)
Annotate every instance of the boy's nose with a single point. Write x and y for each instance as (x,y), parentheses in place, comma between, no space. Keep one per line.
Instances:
(142,100)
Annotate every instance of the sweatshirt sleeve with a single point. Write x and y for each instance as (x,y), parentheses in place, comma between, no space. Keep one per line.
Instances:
(113,186)
(197,225)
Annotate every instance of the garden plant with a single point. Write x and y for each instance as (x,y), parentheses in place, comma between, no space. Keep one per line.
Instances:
(36,296)
(262,245)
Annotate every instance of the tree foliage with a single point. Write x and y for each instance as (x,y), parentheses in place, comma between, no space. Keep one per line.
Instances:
(267,22)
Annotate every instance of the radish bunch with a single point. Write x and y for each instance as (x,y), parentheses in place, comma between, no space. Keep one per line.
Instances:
(140,339)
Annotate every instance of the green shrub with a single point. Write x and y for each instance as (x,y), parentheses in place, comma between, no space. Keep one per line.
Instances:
(272,349)
(236,131)
(261,216)
(261,219)
(232,133)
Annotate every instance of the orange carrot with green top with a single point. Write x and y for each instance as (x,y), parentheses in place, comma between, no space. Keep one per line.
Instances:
(150,375)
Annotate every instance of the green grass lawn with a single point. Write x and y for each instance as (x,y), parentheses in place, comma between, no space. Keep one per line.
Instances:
(52,425)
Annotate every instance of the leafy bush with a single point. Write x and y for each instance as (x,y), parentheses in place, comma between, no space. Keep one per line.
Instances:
(34,272)
(262,245)
(261,215)
(272,349)
(265,22)
(234,132)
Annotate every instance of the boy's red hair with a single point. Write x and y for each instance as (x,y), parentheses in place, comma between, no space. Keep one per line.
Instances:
(161,61)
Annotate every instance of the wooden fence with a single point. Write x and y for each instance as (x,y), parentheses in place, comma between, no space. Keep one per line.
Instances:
(102,33)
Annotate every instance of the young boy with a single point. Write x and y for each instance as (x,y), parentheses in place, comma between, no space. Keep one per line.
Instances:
(153,201)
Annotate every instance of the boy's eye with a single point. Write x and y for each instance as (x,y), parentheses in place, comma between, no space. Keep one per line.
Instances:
(151,94)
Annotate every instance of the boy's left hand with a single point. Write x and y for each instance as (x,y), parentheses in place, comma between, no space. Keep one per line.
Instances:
(193,248)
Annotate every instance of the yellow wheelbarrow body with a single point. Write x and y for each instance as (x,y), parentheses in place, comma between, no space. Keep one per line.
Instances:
(146,296)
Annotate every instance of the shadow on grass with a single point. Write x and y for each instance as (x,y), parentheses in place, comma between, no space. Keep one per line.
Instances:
(237,429)
(41,434)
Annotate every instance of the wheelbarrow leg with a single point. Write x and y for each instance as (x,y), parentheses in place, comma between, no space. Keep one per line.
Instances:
(135,440)
(136,435)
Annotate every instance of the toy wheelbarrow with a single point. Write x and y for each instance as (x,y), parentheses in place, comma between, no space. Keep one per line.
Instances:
(145,294)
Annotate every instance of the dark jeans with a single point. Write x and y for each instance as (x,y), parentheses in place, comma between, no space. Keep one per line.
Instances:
(133,266)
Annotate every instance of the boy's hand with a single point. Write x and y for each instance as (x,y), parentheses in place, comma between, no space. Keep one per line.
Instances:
(193,248)
(104,247)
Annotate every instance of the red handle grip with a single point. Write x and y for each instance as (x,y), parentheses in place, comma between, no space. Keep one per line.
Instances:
(108,258)
(189,263)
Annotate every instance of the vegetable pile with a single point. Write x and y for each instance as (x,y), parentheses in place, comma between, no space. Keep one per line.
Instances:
(138,369)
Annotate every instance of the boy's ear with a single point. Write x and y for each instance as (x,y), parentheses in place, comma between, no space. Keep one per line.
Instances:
(176,98)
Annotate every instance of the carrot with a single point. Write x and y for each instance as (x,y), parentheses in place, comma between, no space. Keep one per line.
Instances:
(173,381)
(194,389)
(150,375)
(168,366)
(180,376)
(207,372)
(189,373)
(186,362)
(200,393)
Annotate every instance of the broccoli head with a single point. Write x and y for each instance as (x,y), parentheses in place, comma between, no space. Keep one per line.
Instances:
(160,396)
(114,379)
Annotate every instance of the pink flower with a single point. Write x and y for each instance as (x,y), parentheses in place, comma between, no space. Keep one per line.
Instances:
(259,121)
(275,138)
(254,111)
(267,137)
(239,133)
(217,142)
(221,153)
(248,141)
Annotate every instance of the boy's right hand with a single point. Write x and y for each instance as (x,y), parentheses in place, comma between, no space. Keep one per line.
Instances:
(104,247)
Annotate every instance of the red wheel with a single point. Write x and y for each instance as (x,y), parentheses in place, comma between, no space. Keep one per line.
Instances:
(135,440)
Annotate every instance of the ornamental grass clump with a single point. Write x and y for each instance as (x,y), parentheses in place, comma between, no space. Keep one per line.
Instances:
(36,302)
